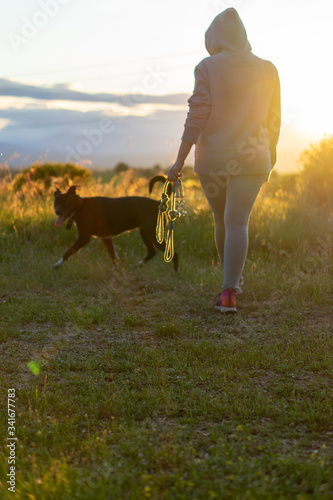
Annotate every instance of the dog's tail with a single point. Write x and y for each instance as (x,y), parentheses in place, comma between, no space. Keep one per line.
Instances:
(159,178)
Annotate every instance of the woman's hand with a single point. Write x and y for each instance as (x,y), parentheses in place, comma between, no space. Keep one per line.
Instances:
(175,171)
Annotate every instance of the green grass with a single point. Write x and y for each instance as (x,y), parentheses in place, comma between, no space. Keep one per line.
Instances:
(144,390)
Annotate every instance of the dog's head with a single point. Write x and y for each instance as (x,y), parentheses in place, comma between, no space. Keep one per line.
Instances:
(65,204)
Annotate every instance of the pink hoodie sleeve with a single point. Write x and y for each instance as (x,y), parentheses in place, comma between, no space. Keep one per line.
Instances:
(199,104)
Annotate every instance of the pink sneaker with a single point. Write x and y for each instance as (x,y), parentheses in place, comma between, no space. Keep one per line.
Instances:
(218,298)
(226,301)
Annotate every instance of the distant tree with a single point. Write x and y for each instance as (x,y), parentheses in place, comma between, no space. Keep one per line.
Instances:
(316,176)
(120,167)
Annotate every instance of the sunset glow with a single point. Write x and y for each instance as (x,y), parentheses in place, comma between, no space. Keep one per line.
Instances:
(126,48)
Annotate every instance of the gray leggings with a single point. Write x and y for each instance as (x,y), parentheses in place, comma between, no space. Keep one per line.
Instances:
(231,200)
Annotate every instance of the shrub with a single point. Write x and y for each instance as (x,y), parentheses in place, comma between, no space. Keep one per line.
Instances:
(316,176)
(45,174)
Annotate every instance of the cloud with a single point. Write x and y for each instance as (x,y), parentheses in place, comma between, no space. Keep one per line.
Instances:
(34,125)
(44,119)
(65,134)
(64,93)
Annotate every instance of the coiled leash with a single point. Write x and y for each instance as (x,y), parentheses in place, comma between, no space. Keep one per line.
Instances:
(176,210)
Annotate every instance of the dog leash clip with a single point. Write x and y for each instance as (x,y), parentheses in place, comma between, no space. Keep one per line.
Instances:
(173,214)
(163,206)
(69,224)
(179,196)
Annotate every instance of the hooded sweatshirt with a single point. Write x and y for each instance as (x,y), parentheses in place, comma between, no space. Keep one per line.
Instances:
(234,113)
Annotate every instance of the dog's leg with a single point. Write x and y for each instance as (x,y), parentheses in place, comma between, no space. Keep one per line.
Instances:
(149,245)
(161,246)
(58,264)
(149,235)
(111,249)
(175,261)
(80,242)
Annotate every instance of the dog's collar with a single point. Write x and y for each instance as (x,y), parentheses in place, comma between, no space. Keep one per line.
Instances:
(69,222)
(70,219)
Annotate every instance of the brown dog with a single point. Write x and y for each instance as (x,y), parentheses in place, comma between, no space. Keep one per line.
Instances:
(109,217)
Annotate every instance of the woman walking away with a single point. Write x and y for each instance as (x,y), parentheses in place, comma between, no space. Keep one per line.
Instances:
(234,120)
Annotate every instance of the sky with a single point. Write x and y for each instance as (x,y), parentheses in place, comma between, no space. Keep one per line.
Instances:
(107,81)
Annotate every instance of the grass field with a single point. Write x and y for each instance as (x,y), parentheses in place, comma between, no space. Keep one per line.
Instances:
(139,389)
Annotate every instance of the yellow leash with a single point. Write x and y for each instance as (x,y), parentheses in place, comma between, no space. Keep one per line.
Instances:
(176,210)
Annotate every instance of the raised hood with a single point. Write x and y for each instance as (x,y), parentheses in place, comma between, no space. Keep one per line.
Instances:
(226,33)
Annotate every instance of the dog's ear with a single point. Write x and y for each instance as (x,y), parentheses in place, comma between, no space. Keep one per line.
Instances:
(72,190)
(57,192)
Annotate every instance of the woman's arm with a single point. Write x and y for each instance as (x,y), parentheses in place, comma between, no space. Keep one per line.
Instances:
(175,170)
(197,117)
